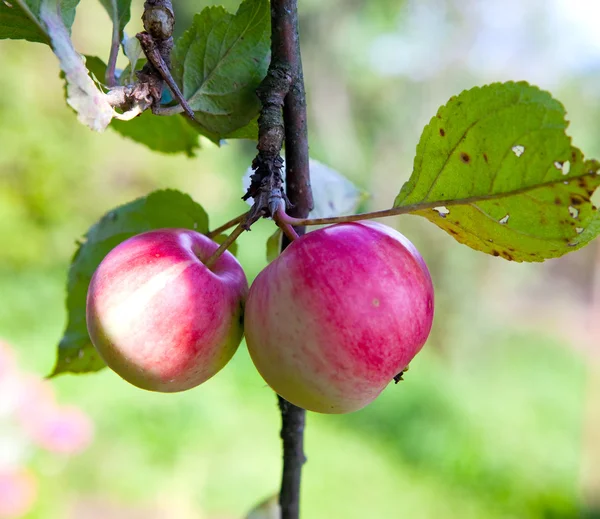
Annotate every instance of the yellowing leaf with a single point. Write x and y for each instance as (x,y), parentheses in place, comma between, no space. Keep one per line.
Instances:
(496,170)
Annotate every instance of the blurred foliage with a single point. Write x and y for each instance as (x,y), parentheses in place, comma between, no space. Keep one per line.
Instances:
(489,420)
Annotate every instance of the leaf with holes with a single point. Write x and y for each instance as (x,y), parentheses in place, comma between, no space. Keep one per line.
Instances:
(496,170)
(21,19)
(220,61)
(158,210)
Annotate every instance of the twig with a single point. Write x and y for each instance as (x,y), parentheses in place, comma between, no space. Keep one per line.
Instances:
(280,218)
(159,22)
(227,225)
(394,211)
(155,57)
(210,262)
(110,78)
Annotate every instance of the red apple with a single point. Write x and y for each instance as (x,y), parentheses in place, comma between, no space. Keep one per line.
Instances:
(159,317)
(338,315)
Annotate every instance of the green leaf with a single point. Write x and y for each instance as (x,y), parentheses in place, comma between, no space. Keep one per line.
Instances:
(496,170)
(160,209)
(170,134)
(233,248)
(96,67)
(119,12)
(21,19)
(250,131)
(220,61)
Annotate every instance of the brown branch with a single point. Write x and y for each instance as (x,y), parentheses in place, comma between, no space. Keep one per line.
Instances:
(293,421)
(227,225)
(159,21)
(155,57)
(266,186)
(210,262)
(287,60)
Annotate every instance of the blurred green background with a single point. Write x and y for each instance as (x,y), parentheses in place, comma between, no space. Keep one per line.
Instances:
(498,416)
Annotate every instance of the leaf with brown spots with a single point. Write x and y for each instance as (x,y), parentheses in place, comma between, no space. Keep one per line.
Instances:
(505,169)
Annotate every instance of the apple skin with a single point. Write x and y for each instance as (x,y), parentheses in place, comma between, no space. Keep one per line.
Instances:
(159,317)
(338,314)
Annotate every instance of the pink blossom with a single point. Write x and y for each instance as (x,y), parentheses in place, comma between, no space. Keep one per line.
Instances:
(18,492)
(66,430)
(32,401)
(58,429)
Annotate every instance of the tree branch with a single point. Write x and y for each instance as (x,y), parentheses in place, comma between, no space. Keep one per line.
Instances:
(210,262)
(227,225)
(292,434)
(287,60)
(155,57)
(159,21)
(266,185)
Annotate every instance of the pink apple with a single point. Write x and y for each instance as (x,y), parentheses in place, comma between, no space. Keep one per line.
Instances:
(338,315)
(159,317)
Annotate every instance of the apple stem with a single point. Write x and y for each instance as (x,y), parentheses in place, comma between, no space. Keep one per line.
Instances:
(280,220)
(210,262)
(290,220)
(234,221)
(393,211)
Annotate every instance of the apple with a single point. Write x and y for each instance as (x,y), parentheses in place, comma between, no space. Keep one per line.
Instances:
(159,317)
(338,315)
